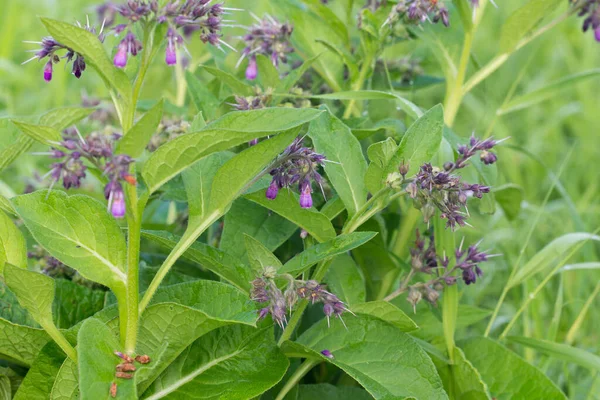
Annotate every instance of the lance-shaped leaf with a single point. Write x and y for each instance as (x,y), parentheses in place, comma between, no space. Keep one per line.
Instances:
(332,138)
(221,263)
(294,76)
(88,45)
(41,133)
(97,362)
(462,379)
(507,375)
(35,292)
(136,139)
(380,154)
(287,205)
(203,98)
(268,76)
(384,360)
(345,279)
(237,86)
(74,303)
(322,251)
(21,344)
(78,231)
(388,313)
(260,257)
(12,244)
(38,382)
(231,130)
(407,106)
(233,362)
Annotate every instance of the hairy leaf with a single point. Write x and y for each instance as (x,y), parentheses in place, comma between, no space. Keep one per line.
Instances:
(260,257)
(136,139)
(12,244)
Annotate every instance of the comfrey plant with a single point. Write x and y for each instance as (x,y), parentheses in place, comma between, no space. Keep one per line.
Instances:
(193,246)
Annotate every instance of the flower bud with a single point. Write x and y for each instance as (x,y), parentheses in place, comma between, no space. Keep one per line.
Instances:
(48,71)
(120,59)
(252,69)
(327,353)
(414,297)
(394,180)
(305,197)
(428,211)
(272,191)
(118,204)
(431,295)
(412,190)
(403,169)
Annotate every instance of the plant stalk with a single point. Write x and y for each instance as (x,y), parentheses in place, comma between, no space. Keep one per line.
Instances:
(302,370)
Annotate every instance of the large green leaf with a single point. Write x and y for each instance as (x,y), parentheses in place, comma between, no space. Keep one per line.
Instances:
(380,154)
(221,263)
(287,205)
(21,344)
(340,244)
(42,374)
(97,362)
(268,76)
(506,374)
(522,21)
(461,379)
(346,172)
(233,362)
(43,134)
(248,218)
(509,197)
(198,180)
(345,280)
(550,254)
(74,303)
(231,130)
(259,256)
(560,351)
(12,244)
(388,313)
(136,139)
(78,231)
(384,360)
(238,87)
(5,387)
(203,98)
(88,45)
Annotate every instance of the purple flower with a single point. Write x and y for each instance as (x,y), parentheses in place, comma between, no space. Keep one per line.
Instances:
(597,34)
(327,353)
(48,71)
(305,196)
(120,59)
(173,40)
(118,203)
(252,69)
(272,190)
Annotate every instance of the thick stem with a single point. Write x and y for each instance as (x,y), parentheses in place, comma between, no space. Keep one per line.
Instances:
(302,370)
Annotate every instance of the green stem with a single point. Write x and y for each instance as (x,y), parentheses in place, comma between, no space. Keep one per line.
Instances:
(359,218)
(134,226)
(302,370)
(60,340)
(403,287)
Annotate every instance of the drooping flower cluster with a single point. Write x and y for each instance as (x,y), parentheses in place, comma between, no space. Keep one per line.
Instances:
(270,38)
(297,164)
(277,302)
(98,149)
(418,11)
(188,16)
(591,11)
(51,49)
(425,260)
(434,188)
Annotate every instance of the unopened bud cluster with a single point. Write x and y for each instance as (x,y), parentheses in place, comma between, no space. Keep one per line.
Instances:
(98,149)
(419,11)
(278,303)
(590,11)
(425,260)
(268,37)
(296,165)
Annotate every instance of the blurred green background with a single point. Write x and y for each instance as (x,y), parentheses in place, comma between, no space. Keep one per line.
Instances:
(564,129)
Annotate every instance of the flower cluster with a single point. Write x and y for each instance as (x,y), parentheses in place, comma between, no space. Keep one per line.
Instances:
(98,149)
(188,16)
(51,50)
(297,164)
(425,260)
(433,188)
(418,11)
(268,37)
(277,302)
(169,129)
(591,11)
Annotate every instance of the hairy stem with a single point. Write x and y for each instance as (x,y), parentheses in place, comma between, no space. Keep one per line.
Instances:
(134,226)
(294,379)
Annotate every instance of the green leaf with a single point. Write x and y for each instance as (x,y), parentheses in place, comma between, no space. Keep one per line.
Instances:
(41,133)
(73,303)
(384,360)
(388,313)
(66,386)
(97,362)
(221,263)
(203,98)
(347,58)
(198,180)
(19,343)
(12,244)
(268,76)
(198,123)
(233,362)
(5,387)
(520,380)
(78,231)
(40,378)
(345,280)
(238,87)
(408,107)
(248,218)
(136,139)
(346,172)
(333,208)
(294,76)
(465,13)
(560,351)
(314,254)
(62,118)
(461,379)
(522,21)
(6,206)
(380,154)
(430,326)
(11,310)
(509,197)
(287,205)
(546,257)
(260,257)
(330,392)
(231,130)
(546,92)
(89,46)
